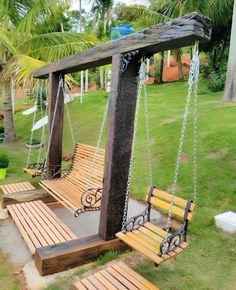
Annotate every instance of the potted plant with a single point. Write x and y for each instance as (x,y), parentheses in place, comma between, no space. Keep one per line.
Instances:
(4,162)
(35,144)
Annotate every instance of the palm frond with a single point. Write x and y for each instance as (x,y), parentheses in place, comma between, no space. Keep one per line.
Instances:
(147,16)
(37,13)
(55,45)
(22,67)
(5,41)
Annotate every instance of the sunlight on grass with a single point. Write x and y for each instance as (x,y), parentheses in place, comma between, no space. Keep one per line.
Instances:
(210,260)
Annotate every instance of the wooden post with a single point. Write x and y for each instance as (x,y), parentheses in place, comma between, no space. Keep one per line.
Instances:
(119,142)
(55,151)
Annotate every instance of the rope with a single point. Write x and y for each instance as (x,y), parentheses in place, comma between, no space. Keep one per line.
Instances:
(192,82)
(142,82)
(60,86)
(42,115)
(32,132)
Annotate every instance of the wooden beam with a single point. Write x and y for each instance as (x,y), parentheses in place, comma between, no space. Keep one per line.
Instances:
(119,143)
(55,150)
(63,256)
(177,33)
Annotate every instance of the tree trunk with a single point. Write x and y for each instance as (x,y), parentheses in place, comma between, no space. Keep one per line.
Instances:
(160,79)
(230,84)
(10,134)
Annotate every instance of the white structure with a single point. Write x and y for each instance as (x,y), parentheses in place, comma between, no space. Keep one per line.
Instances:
(226,221)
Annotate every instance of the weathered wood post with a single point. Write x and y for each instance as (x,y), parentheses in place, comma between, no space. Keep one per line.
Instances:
(119,141)
(54,157)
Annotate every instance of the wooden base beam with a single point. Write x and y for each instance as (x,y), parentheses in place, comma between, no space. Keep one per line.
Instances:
(61,257)
(32,195)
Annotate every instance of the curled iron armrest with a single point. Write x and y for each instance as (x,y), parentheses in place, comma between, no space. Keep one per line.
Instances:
(137,221)
(174,240)
(90,200)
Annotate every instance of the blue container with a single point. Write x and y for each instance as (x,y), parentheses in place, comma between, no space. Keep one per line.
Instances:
(121,31)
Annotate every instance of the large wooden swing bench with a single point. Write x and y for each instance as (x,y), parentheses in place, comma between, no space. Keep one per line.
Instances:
(80,189)
(152,241)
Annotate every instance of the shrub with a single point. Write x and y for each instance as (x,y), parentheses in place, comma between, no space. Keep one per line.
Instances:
(217,80)
(4,160)
(1,129)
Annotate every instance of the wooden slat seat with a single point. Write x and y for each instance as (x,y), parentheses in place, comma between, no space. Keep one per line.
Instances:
(116,277)
(33,171)
(69,190)
(148,238)
(38,225)
(17,187)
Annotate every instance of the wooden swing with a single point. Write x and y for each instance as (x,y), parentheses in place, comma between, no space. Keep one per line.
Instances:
(81,188)
(139,232)
(72,189)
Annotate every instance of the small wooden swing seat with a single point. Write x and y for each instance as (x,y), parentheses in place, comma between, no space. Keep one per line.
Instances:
(71,190)
(35,169)
(151,240)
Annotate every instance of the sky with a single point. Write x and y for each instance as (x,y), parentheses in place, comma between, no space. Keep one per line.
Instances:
(86,5)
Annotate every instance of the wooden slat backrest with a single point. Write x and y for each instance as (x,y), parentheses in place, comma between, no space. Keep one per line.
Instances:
(161,200)
(82,162)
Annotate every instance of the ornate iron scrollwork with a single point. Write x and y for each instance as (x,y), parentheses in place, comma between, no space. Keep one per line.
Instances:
(137,221)
(90,200)
(174,240)
(126,59)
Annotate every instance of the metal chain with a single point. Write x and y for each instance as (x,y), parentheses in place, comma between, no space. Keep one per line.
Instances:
(149,156)
(192,82)
(195,130)
(98,144)
(142,81)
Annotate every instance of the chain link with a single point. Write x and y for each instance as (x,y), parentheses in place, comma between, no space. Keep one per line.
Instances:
(149,156)
(195,130)
(98,145)
(142,82)
(192,82)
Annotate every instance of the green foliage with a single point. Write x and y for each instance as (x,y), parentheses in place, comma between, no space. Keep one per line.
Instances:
(217,79)
(4,160)
(1,129)
(107,257)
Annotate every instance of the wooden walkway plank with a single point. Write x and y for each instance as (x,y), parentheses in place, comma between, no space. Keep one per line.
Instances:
(38,225)
(116,277)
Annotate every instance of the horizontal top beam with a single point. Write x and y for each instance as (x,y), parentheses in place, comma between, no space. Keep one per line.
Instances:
(177,33)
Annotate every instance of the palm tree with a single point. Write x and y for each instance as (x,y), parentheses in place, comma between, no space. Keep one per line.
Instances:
(220,11)
(24,46)
(230,84)
(102,9)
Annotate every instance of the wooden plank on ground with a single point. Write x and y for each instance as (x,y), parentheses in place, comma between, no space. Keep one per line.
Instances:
(38,225)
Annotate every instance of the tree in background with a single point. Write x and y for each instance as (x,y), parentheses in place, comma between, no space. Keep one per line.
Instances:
(230,84)
(220,11)
(29,38)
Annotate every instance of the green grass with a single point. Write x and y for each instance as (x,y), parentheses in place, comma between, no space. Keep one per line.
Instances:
(210,261)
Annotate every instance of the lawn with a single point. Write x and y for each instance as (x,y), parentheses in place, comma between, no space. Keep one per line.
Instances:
(210,261)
